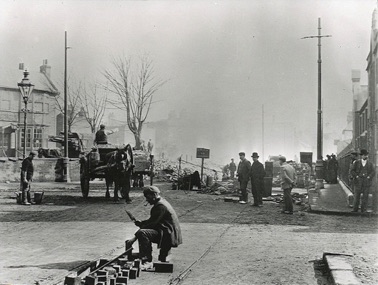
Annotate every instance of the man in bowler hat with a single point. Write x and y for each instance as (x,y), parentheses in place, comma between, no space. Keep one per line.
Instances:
(244,168)
(257,180)
(363,173)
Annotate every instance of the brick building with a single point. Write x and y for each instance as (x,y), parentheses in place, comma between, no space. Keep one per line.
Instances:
(41,118)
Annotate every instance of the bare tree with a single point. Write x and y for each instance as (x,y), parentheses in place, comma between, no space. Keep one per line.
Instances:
(93,102)
(73,100)
(134,92)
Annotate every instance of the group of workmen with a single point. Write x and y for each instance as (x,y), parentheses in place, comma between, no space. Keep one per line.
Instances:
(331,168)
(255,173)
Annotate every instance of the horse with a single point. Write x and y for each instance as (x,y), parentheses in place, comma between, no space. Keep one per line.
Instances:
(119,167)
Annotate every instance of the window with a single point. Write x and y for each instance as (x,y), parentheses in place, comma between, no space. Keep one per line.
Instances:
(37,138)
(28,137)
(5,105)
(38,107)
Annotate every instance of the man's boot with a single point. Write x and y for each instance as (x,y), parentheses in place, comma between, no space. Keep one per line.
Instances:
(23,197)
(29,198)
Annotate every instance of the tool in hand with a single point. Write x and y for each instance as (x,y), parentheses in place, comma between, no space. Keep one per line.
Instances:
(131,216)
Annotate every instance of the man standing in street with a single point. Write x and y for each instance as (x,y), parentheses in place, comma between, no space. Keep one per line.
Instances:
(288,179)
(162,228)
(244,169)
(27,171)
(257,180)
(363,173)
(232,168)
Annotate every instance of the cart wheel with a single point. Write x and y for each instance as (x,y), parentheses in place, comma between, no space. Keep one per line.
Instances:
(84,183)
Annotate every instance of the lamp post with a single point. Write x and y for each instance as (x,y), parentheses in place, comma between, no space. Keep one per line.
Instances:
(26,89)
(319,167)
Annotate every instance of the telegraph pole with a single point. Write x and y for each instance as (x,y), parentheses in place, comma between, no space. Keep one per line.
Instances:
(66,158)
(262,135)
(319,162)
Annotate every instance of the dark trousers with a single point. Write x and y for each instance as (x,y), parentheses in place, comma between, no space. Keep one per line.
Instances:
(243,189)
(257,193)
(288,201)
(232,174)
(25,192)
(145,239)
(358,190)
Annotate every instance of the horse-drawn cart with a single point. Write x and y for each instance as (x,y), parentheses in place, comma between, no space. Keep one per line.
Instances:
(116,164)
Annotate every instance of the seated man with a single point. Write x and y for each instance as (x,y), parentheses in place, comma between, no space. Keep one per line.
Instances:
(162,228)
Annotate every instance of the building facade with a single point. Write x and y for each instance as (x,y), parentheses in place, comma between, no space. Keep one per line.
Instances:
(371,116)
(41,114)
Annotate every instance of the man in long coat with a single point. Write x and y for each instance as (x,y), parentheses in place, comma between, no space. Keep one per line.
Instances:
(257,180)
(288,180)
(244,168)
(162,228)
(363,173)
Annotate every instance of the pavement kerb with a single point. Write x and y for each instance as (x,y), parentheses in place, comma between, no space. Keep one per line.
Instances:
(348,193)
(340,269)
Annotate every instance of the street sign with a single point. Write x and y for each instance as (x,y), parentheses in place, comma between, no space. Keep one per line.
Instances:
(203,153)
(306,157)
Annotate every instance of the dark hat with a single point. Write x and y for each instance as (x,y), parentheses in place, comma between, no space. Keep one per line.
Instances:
(242,153)
(364,152)
(33,153)
(151,189)
(282,158)
(102,126)
(255,154)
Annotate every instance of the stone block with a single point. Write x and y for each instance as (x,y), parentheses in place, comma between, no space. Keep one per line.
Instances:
(102,273)
(103,278)
(122,261)
(90,280)
(133,273)
(117,268)
(122,280)
(72,280)
(125,272)
(344,277)
(336,262)
(137,263)
(163,267)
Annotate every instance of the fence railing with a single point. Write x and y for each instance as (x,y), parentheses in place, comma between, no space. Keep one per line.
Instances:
(344,159)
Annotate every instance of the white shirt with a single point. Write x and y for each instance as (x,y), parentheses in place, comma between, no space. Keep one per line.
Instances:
(363,162)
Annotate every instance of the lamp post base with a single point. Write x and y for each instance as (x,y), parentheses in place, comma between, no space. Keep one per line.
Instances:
(66,176)
(319,168)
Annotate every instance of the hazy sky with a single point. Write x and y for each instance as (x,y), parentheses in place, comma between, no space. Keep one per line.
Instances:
(220,57)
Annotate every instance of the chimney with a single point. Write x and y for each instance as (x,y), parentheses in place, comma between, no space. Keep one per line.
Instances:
(21,66)
(356,75)
(45,69)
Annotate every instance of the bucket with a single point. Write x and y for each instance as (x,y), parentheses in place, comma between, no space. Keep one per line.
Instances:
(19,197)
(38,196)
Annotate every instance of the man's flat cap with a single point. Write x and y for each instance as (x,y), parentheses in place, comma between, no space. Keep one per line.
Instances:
(151,189)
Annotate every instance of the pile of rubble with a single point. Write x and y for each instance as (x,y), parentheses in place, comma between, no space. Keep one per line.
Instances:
(171,170)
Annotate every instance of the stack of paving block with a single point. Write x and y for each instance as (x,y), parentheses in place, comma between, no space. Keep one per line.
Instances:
(118,272)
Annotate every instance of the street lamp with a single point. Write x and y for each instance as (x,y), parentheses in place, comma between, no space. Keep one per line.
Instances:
(26,88)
